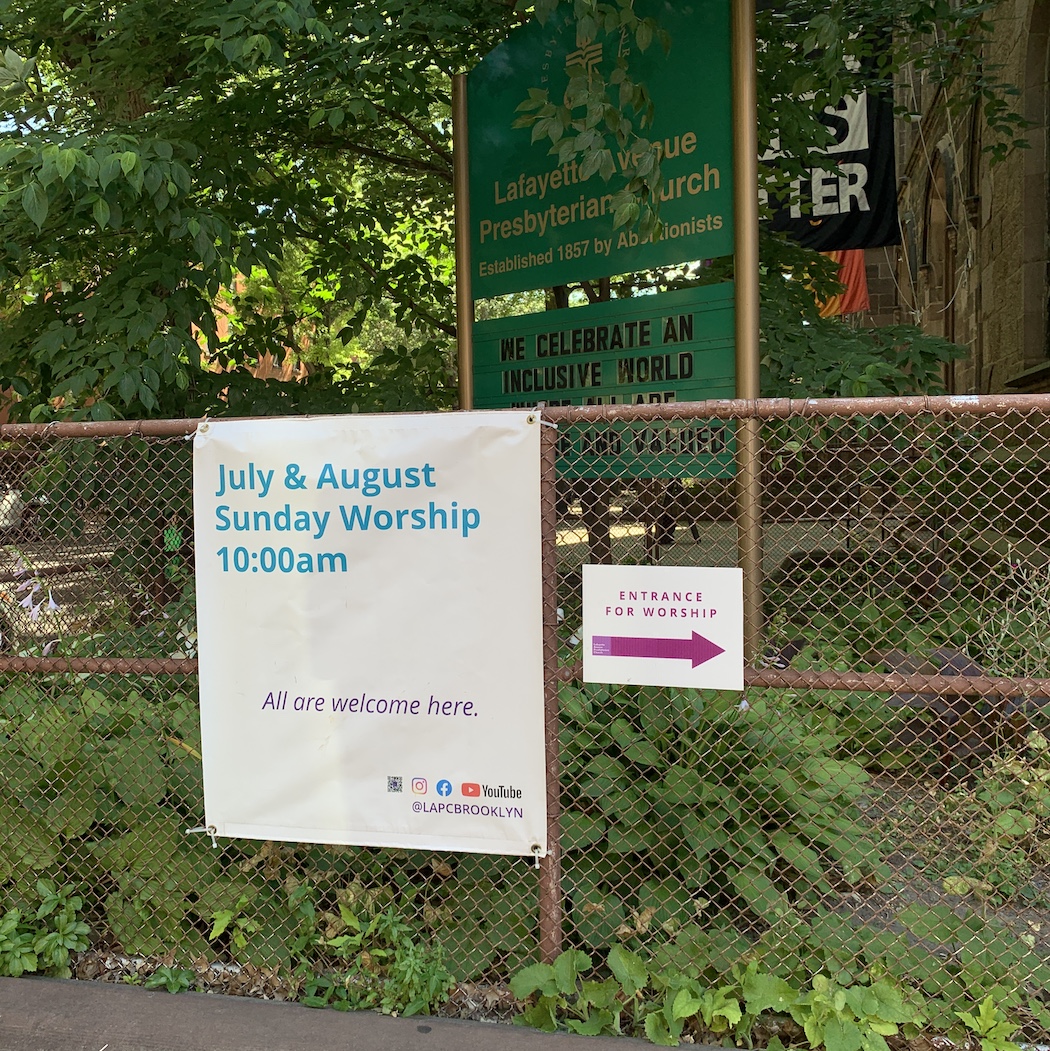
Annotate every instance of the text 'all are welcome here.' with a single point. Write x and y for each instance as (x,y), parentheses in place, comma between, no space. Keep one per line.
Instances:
(280,520)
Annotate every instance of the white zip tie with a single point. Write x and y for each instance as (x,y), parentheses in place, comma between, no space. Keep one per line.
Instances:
(209,829)
(536,416)
(536,851)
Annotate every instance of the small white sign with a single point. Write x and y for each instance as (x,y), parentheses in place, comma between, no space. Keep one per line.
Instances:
(370,626)
(663,626)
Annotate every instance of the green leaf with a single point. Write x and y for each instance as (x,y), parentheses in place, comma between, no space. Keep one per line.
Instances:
(542,1015)
(801,857)
(761,893)
(935,923)
(136,770)
(627,840)
(628,968)
(101,212)
(27,841)
(73,812)
(567,969)
(625,214)
(586,29)
(127,386)
(147,925)
(645,164)
(684,782)
(66,162)
(579,830)
(598,916)
(657,1031)
(1013,823)
(537,978)
(841,1035)
(966,885)
(686,1004)
(644,753)
(704,834)
(135,177)
(34,203)
(668,899)
(540,128)
(767,992)
(604,779)
(52,737)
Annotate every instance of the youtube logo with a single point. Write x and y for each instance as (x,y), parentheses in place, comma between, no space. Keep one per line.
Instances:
(469,788)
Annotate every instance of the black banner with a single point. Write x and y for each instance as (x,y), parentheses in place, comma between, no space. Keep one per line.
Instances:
(852,201)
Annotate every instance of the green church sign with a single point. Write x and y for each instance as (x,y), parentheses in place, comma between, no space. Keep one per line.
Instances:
(536,223)
(677,346)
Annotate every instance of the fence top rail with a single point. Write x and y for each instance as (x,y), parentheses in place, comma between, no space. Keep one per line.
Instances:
(723,408)
(99,429)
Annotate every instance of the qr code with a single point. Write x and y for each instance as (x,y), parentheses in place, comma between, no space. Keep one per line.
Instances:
(393,784)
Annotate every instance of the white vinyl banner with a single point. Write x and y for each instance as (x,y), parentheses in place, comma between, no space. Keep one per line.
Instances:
(370,630)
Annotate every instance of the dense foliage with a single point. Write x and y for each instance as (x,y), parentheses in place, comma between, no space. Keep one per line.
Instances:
(152,153)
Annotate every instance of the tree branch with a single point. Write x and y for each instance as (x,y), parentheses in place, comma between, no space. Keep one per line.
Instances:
(392,290)
(405,163)
(419,134)
(400,297)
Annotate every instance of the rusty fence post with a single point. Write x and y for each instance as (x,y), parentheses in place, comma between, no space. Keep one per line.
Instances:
(749,532)
(550,895)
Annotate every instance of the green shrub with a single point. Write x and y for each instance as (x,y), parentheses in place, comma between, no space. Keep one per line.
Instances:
(679,805)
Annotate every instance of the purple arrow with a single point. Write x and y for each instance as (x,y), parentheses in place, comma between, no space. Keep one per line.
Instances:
(697,649)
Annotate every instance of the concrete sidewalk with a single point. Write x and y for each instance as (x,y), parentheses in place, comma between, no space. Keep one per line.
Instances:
(45,1014)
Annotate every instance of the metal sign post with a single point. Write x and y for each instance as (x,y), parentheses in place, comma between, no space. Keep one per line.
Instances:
(745,203)
(464,291)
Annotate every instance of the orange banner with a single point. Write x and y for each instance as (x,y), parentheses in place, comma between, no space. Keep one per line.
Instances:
(853,274)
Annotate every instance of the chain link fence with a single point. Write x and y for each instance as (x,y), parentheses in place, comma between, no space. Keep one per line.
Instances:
(878,798)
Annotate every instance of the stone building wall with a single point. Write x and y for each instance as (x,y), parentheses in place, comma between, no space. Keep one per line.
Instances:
(880,264)
(973,262)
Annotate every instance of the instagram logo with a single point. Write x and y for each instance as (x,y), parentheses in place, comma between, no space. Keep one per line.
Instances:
(419,786)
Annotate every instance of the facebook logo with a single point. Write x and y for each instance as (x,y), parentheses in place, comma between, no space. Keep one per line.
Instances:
(444,788)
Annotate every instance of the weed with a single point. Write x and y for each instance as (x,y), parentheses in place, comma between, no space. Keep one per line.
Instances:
(42,943)
(1013,632)
(234,923)
(991,1026)
(663,1005)
(174,979)
(389,969)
